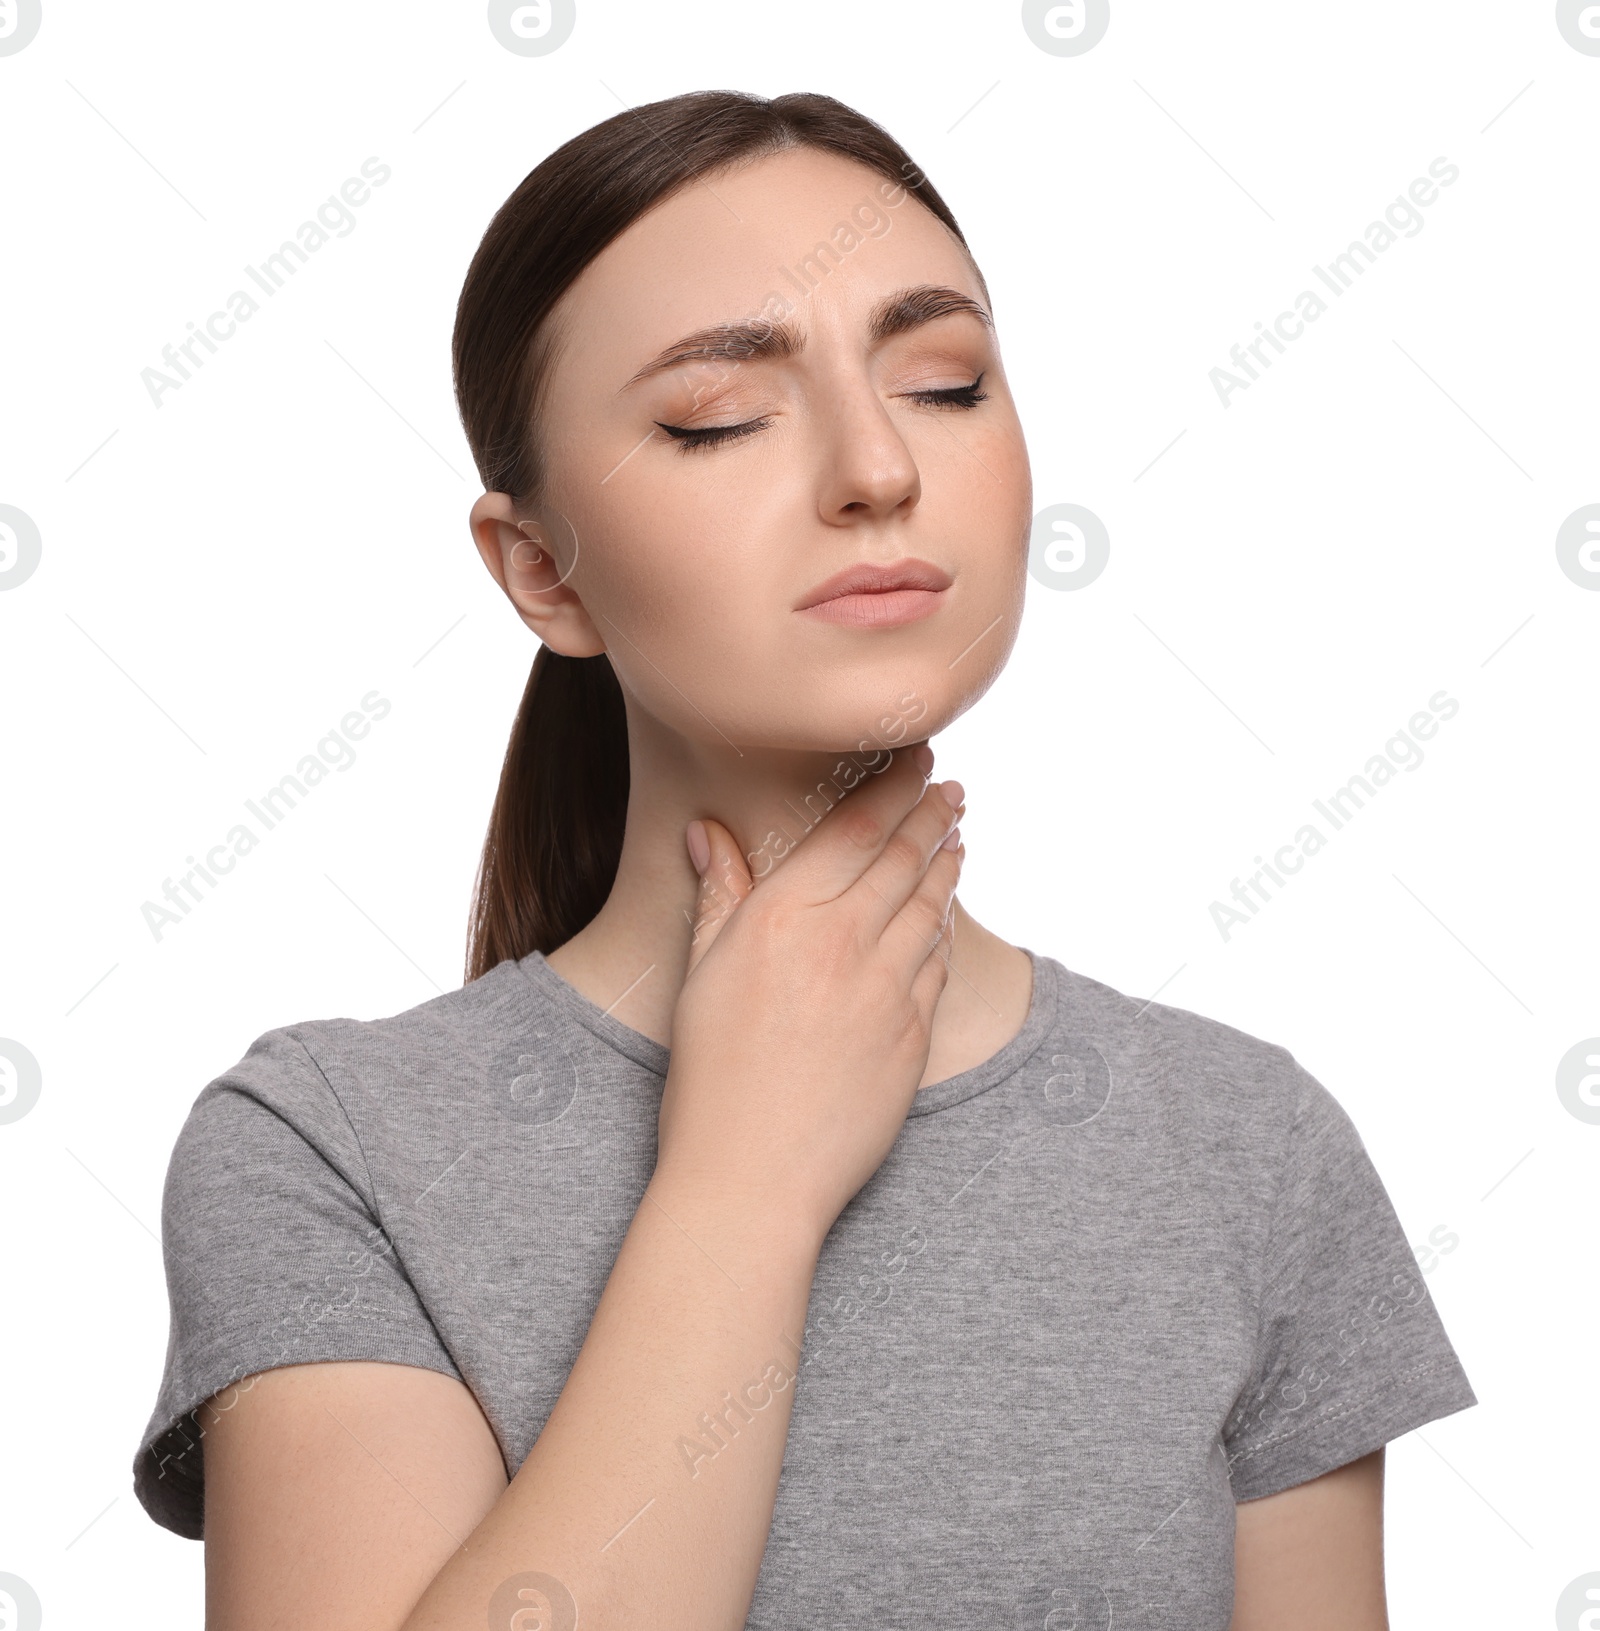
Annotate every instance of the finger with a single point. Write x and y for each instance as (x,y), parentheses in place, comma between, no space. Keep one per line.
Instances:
(855,829)
(916,928)
(931,978)
(723,884)
(891,880)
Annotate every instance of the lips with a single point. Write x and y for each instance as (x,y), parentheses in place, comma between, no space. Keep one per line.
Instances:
(865,579)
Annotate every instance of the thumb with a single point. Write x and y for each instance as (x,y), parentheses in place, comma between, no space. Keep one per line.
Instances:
(724,882)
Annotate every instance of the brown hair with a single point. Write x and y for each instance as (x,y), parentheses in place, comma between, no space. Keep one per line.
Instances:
(555,832)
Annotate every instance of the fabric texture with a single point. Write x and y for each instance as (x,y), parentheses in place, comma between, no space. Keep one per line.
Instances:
(1134,1268)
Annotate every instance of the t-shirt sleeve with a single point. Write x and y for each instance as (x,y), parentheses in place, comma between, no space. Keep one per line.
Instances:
(275,1255)
(1350,1350)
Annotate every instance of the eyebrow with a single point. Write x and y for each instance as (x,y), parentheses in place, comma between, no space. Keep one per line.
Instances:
(761,339)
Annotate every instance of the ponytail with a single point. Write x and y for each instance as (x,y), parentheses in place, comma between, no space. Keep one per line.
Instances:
(555,831)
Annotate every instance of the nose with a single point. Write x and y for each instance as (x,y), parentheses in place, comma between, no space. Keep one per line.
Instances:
(869,471)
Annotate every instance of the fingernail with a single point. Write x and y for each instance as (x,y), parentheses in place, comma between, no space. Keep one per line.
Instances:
(699,848)
(953,792)
(922,756)
(952,839)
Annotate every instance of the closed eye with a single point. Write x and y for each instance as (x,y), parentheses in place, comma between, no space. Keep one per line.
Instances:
(953,396)
(690,438)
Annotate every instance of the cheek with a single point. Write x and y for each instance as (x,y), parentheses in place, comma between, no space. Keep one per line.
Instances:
(682,586)
(1012,501)
(984,489)
(675,554)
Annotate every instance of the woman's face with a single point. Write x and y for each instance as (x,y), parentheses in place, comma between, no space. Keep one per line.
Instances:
(838,428)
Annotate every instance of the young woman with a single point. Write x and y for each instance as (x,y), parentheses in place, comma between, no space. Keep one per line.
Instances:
(1053,1306)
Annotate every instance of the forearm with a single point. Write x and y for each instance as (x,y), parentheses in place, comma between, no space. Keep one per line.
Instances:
(649,1494)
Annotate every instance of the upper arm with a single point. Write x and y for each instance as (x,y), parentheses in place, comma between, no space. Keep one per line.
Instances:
(1311,1557)
(335,1492)
(1350,1353)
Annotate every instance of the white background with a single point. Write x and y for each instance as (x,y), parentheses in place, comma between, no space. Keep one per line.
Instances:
(1373,521)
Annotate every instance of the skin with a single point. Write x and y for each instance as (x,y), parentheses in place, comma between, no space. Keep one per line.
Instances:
(1311,1558)
(377,1491)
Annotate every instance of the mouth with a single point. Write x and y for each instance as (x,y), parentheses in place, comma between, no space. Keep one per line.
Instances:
(867,596)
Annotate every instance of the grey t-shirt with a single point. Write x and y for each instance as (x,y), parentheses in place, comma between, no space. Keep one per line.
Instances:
(1134,1268)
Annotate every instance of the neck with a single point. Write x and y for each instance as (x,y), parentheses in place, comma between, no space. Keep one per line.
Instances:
(633,957)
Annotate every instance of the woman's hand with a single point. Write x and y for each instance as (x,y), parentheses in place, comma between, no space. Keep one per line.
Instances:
(802,1030)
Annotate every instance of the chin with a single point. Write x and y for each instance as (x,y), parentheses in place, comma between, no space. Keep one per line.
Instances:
(867,716)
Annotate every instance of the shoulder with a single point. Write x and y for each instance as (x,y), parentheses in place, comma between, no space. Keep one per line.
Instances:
(471,1017)
(321,1078)
(1187,1066)
(316,1056)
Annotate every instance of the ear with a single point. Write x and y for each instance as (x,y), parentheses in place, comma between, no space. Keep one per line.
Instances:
(532,560)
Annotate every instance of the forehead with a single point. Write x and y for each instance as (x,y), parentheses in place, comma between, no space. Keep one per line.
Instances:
(823,233)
